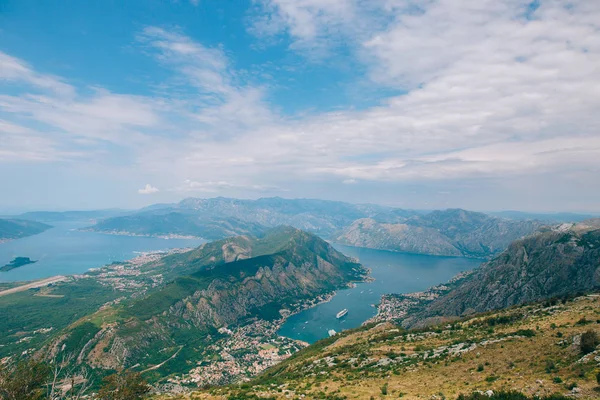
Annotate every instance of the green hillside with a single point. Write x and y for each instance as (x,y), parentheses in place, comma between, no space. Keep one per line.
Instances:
(19,228)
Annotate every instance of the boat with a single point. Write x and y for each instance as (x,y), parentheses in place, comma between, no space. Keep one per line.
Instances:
(331,332)
(341,313)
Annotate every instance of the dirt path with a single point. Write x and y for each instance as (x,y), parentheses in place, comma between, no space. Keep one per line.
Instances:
(32,285)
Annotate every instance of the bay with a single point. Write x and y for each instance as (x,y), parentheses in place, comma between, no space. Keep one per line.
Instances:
(64,250)
(393,273)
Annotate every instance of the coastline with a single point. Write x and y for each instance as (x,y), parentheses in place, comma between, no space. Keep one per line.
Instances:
(126,233)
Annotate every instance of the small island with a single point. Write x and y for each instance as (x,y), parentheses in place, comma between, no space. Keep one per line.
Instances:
(16,263)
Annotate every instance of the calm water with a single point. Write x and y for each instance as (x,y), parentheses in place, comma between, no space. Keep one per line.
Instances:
(62,250)
(393,273)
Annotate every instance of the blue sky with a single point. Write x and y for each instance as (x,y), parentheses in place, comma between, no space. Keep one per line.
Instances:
(421,104)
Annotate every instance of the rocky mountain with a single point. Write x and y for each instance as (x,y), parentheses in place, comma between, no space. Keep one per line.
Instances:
(554,262)
(452,232)
(221,217)
(211,290)
(19,228)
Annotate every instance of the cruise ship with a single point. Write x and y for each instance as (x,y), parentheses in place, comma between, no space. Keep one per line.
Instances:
(341,313)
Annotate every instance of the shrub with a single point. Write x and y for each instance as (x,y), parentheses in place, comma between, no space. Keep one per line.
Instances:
(525,332)
(384,389)
(23,380)
(589,341)
(480,368)
(127,386)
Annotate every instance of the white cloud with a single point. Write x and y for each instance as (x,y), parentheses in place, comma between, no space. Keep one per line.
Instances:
(218,186)
(13,69)
(491,93)
(312,24)
(148,189)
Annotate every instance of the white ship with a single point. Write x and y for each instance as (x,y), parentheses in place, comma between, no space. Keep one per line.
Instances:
(331,332)
(341,313)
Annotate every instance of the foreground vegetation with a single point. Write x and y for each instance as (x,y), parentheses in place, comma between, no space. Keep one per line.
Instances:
(540,351)
(34,380)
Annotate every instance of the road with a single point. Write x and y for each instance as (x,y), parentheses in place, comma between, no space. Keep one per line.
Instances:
(36,284)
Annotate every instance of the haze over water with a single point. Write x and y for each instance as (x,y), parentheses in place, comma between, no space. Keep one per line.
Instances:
(393,273)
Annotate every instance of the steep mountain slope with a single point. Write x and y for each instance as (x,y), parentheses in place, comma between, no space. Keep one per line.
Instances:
(551,263)
(18,228)
(216,288)
(534,349)
(452,232)
(220,217)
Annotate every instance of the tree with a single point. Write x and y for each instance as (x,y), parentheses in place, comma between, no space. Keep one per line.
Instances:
(68,381)
(24,380)
(127,386)
(589,341)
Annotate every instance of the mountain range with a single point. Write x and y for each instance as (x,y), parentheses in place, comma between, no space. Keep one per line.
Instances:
(201,297)
(452,232)
(220,217)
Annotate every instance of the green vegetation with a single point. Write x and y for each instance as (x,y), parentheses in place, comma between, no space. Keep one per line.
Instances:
(34,380)
(26,312)
(25,380)
(589,341)
(126,386)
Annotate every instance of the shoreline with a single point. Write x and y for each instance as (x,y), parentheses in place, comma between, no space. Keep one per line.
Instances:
(156,236)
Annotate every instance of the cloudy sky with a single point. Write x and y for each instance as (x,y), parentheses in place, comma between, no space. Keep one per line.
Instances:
(480,104)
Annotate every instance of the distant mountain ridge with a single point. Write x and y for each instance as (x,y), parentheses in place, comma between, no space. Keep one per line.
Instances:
(17,228)
(452,232)
(167,222)
(221,217)
(60,216)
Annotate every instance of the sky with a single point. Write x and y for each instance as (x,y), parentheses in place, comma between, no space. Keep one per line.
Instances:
(479,104)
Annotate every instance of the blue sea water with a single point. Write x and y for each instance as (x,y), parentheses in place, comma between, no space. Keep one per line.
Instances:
(393,273)
(64,250)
